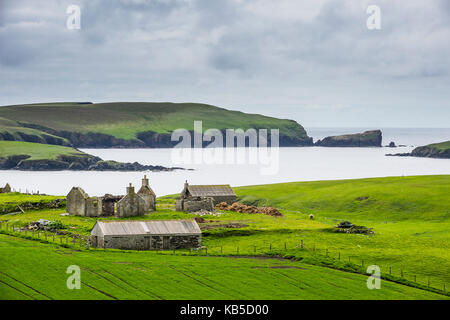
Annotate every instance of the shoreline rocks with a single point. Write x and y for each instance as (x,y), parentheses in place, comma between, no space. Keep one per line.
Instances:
(430,151)
(75,163)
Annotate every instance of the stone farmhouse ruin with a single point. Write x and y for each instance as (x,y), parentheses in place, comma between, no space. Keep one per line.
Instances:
(6,189)
(146,235)
(204,197)
(79,203)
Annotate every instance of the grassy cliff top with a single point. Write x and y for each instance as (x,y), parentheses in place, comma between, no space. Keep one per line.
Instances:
(125,119)
(441,146)
(37,151)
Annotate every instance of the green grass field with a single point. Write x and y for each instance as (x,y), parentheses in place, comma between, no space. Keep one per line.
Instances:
(32,270)
(37,151)
(410,217)
(126,119)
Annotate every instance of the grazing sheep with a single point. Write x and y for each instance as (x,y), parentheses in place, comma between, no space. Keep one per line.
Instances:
(311,217)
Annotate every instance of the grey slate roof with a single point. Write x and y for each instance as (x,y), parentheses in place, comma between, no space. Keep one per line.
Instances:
(211,190)
(150,227)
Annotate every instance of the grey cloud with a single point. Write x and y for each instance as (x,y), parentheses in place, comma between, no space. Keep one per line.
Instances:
(243,54)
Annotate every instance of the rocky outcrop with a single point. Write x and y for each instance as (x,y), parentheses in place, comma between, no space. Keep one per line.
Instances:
(366,139)
(438,150)
(75,163)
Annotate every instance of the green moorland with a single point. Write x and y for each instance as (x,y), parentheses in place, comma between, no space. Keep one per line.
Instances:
(115,274)
(410,217)
(125,120)
(36,151)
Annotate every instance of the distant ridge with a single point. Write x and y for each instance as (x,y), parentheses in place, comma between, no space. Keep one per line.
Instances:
(129,124)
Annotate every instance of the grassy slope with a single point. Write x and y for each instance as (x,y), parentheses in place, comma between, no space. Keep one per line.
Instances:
(124,120)
(440,146)
(408,214)
(37,151)
(148,275)
(423,198)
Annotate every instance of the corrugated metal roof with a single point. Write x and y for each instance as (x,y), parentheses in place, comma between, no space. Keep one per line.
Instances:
(210,190)
(150,227)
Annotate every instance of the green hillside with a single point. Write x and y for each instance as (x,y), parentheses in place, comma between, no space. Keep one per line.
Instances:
(130,123)
(424,198)
(36,151)
(411,240)
(147,275)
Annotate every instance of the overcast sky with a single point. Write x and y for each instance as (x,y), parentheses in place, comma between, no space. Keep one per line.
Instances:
(312,61)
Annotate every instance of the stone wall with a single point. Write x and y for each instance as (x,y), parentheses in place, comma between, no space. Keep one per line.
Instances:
(194,204)
(150,203)
(131,205)
(76,203)
(227,199)
(93,207)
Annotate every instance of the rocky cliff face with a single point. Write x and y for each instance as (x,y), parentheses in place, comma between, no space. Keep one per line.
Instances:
(145,139)
(366,139)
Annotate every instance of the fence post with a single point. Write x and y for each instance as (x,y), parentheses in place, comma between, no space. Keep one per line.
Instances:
(221,250)
(301,244)
(339,256)
(270,247)
(362,263)
(237,251)
(326,252)
(254,249)
(206,250)
(390,271)
(285,246)
(401,273)
(428,282)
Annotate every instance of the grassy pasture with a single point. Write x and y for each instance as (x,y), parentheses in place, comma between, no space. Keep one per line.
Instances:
(410,217)
(37,151)
(115,274)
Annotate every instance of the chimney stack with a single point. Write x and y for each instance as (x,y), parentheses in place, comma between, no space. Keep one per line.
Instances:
(145,182)
(130,190)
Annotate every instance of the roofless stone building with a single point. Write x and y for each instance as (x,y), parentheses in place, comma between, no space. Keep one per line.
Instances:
(146,235)
(132,204)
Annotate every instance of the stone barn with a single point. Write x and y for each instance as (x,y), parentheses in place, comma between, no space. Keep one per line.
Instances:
(148,195)
(6,189)
(146,235)
(218,193)
(131,204)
